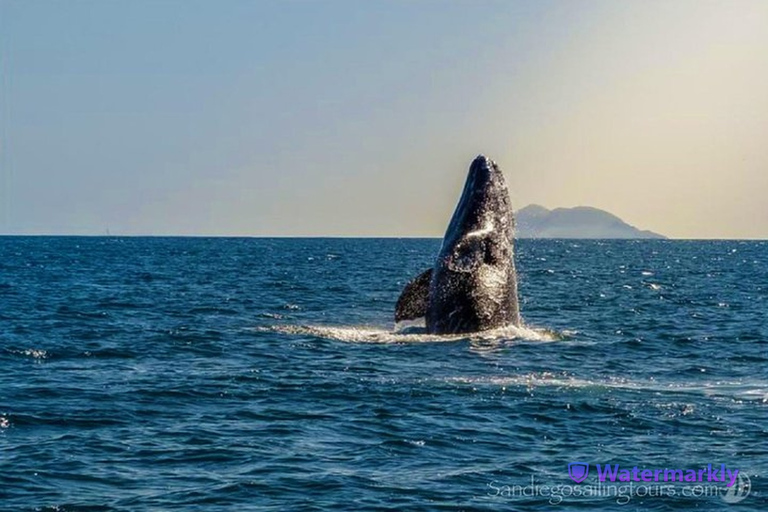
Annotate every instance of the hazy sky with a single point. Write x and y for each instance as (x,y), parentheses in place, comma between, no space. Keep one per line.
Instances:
(361,117)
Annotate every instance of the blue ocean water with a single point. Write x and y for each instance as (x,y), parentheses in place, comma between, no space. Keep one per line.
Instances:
(264,374)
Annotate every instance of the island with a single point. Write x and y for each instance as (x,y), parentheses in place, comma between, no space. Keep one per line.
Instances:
(536,221)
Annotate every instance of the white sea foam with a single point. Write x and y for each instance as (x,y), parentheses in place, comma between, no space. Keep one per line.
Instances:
(749,391)
(413,333)
(31,352)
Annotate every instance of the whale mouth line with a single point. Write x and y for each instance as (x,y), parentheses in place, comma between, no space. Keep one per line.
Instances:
(486,229)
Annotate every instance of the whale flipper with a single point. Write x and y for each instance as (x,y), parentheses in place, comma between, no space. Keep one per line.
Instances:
(412,303)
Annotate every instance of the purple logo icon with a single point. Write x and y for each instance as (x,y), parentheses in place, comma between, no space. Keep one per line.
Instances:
(578,471)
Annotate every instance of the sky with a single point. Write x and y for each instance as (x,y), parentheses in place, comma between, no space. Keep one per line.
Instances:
(349,118)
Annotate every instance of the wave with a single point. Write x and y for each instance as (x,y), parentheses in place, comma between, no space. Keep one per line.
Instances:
(748,391)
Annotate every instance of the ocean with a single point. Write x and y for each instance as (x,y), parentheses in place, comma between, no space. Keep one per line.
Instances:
(219,374)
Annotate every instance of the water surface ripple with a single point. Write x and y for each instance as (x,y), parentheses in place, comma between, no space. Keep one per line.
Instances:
(264,374)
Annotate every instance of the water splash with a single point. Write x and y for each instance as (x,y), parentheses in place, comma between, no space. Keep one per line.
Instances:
(413,334)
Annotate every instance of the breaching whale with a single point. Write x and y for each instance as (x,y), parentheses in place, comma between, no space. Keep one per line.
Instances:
(472,285)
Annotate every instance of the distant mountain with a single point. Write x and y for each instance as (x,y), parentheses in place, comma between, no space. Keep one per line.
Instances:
(535,221)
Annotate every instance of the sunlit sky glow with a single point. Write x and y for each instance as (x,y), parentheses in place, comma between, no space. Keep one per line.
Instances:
(360,118)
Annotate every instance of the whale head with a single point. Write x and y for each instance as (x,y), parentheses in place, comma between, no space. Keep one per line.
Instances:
(482,219)
(474,284)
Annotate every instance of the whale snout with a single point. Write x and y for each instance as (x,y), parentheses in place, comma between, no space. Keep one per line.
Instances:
(483,174)
(482,166)
(482,160)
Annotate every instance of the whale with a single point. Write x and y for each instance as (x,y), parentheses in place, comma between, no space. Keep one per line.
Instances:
(472,285)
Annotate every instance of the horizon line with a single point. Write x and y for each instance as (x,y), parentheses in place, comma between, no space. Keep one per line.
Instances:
(341,237)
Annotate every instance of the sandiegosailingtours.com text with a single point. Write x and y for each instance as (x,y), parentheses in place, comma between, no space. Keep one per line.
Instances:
(615,482)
